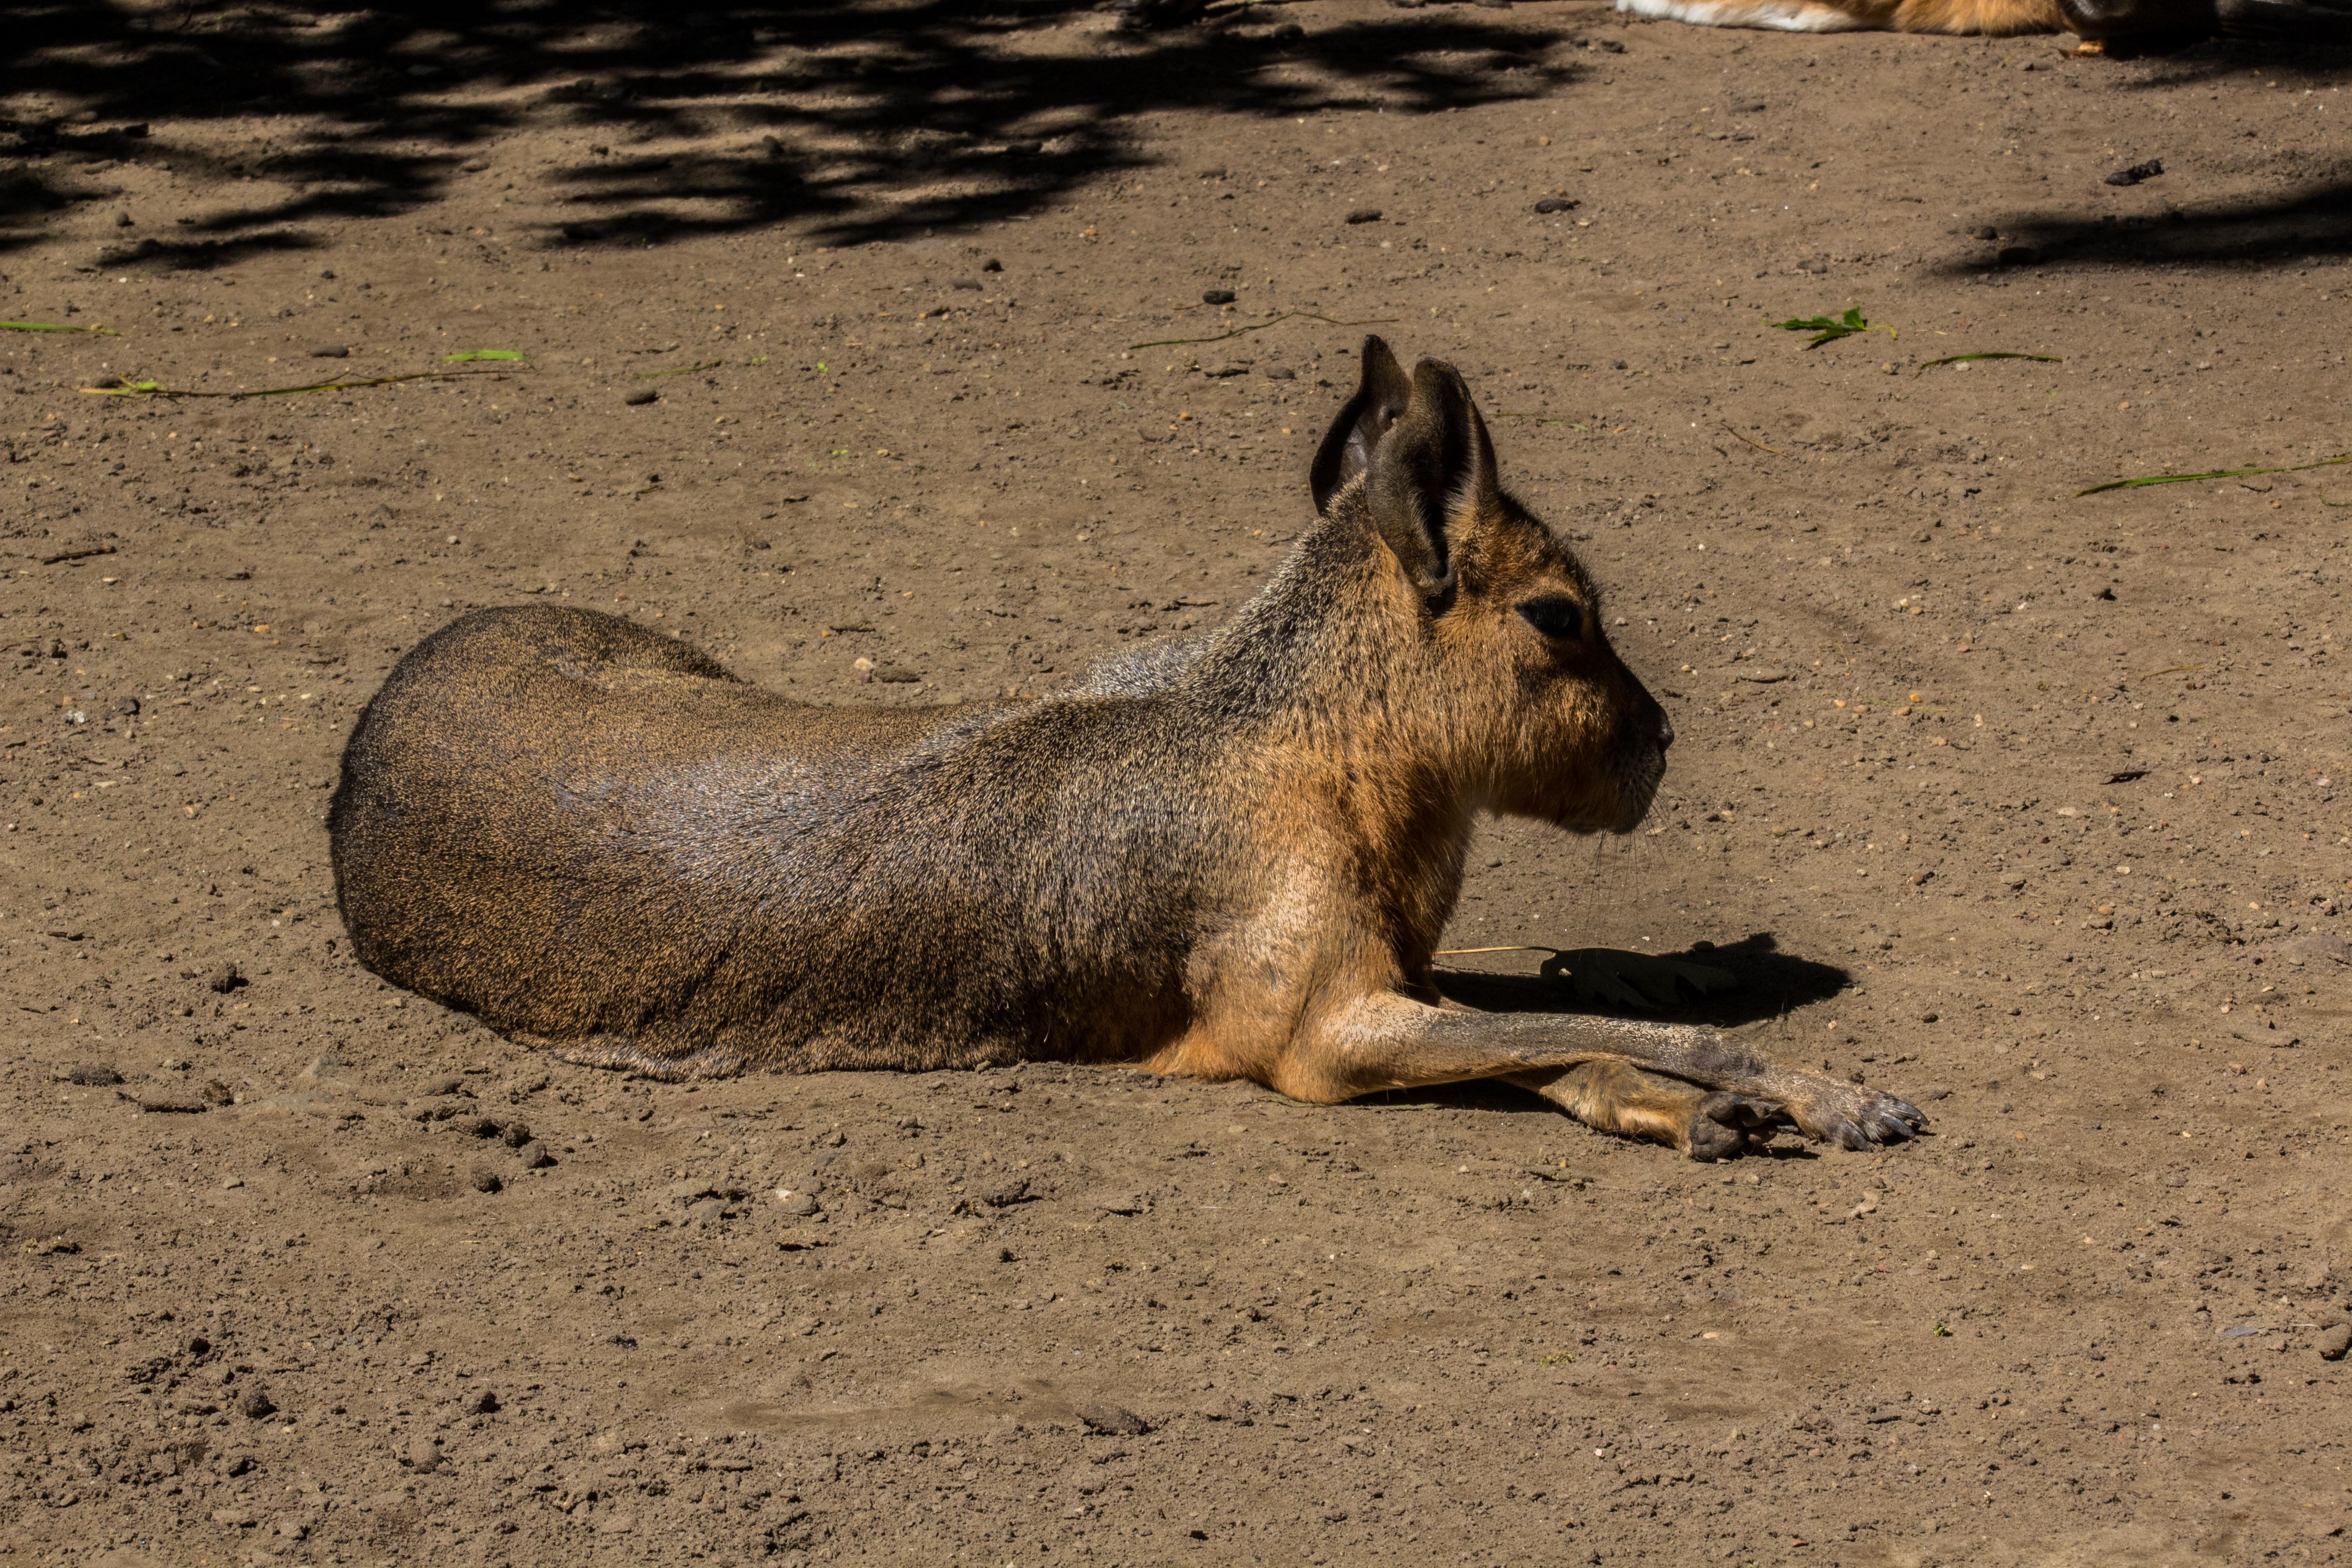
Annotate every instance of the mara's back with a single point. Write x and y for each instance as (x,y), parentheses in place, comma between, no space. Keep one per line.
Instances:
(596,838)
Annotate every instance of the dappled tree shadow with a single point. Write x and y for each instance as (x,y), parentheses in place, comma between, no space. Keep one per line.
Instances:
(847,121)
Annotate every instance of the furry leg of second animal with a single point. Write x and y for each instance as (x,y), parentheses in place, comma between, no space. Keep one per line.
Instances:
(1614,1097)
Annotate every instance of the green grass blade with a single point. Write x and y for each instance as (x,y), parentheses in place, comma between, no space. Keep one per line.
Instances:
(1830,328)
(483,354)
(2146,480)
(55,326)
(1971,359)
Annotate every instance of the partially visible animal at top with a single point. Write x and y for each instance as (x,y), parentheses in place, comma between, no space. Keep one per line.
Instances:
(2100,24)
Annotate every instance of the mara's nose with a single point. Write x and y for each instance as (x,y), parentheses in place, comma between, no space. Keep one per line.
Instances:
(1665,731)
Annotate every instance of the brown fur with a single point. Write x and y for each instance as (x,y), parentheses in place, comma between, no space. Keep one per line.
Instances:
(2120,27)
(1229,859)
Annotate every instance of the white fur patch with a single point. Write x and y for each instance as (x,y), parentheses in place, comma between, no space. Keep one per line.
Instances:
(1786,16)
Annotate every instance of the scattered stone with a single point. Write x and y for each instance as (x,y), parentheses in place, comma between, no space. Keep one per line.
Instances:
(90,1074)
(127,706)
(231,1466)
(447,1083)
(1558,204)
(421,1455)
(992,264)
(799,1240)
(801,1206)
(1365,214)
(2136,173)
(1113,1420)
(1229,369)
(1987,232)
(2335,1341)
(218,1093)
(173,1101)
(535,1156)
(1279,373)
(292,1529)
(516,1135)
(330,350)
(485,1404)
(1616,364)
(224,978)
(1216,296)
(237,1518)
(486,1180)
(1761,675)
(256,1404)
(970,284)
(641,397)
(1006,1194)
(482,1126)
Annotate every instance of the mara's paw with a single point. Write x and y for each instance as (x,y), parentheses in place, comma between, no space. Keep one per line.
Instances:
(1724,1126)
(1853,1116)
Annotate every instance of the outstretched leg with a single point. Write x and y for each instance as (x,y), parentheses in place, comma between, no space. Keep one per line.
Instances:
(1616,1096)
(1386,1040)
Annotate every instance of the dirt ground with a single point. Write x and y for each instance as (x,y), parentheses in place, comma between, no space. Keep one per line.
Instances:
(2017,801)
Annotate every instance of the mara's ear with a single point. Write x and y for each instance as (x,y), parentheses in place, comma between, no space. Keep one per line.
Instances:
(1433,473)
(1381,393)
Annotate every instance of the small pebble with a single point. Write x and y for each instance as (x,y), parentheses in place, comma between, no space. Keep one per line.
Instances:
(2137,172)
(535,1156)
(517,1135)
(421,1455)
(1222,296)
(1279,373)
(640,397)
(90,1075)
(992,264)
(1616,364)
(224,978)
(971,283)
(485,1404)
(801,1206)
(2335,1341)
(1557,204)
(256,1404)
(1365,214)
(486,1180)
(330,350)
(128,706)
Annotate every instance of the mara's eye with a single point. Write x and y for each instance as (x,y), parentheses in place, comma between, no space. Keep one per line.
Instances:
(1553,616)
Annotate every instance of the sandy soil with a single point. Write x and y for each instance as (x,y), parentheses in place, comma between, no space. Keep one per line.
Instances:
(2018,802)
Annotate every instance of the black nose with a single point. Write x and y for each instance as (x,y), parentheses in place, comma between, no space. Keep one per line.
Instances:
(1665,731)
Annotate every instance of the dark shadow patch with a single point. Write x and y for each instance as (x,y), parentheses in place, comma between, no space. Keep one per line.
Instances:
(1767,984)
(849,123)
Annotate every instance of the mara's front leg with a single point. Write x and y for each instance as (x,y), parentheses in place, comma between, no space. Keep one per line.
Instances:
(1385,1040)
(1618,1097)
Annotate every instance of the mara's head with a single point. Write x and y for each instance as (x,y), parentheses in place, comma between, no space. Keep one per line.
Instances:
(1531,701)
